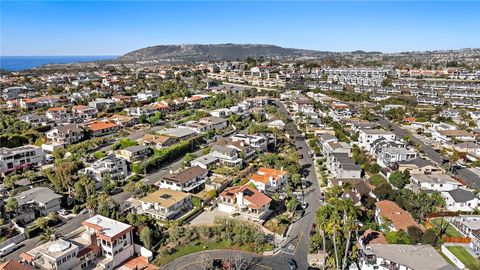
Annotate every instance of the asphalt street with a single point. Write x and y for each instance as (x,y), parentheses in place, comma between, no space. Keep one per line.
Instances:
(64,230)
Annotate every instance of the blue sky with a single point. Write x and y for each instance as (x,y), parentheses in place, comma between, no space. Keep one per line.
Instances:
(114,28)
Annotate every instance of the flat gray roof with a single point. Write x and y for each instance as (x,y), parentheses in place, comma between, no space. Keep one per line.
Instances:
(423,257)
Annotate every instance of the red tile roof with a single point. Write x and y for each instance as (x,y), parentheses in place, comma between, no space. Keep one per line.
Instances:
(13,265)
(255,198)
(400,218)
(263,175)
(95,126)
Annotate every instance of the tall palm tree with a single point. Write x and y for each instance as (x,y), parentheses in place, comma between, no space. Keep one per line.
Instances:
(91,205)
(47,235)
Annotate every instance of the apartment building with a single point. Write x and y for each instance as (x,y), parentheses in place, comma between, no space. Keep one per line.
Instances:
(18,158)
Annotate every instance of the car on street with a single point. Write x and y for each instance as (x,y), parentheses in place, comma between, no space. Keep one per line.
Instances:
(304,205)
(292,264)
(9,248)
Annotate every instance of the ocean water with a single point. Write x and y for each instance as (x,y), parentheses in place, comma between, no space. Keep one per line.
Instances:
(16,63)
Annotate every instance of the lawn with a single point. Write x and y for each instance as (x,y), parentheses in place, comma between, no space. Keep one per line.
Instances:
(197,246)
(465,257)
(451,231)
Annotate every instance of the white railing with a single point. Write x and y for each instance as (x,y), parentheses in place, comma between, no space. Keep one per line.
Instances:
(452,257)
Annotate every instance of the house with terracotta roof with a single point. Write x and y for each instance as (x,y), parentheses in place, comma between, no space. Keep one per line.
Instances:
(410,119)
(99,128)
(157,141)
(195,100)
(269,179)
(14,265)
(394,217)
(244,200)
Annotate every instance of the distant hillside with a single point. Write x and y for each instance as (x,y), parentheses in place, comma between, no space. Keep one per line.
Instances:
(212,52)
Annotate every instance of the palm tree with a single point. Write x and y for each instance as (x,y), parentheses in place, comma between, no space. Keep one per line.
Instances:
(47,235)
(91,205)
(41,222)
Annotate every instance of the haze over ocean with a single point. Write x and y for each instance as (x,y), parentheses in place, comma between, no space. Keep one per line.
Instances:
(16,63)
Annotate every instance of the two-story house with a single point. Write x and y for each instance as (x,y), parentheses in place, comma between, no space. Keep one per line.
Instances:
(244,200)
(165,204)
(66,134)
(190,180)
(269,179)
(367,136)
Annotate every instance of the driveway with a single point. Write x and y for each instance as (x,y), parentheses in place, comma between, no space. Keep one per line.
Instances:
(207,217)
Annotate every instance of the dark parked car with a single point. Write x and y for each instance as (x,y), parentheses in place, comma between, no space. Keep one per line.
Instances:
(292,264)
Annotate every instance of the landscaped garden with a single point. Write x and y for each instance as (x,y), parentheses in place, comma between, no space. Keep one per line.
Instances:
(226,233)
(450,230)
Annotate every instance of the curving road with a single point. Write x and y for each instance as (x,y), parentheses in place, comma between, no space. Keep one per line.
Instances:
(296,243)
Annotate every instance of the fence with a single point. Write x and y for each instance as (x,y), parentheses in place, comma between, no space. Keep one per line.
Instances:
(14,239)
(462,240)
(452,257)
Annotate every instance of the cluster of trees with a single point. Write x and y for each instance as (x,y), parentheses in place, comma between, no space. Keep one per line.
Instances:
(16,133)
(174,88)
(77,150)
(399,179)
(124,143)
(162,156)
(287,160)
(413,236)
(397,114)
(336,226)
(63,176)
(10,180)
(148,231)
(219,101)
(364,160)
(313,143)
(340,133)
(418,204)
(231,232)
